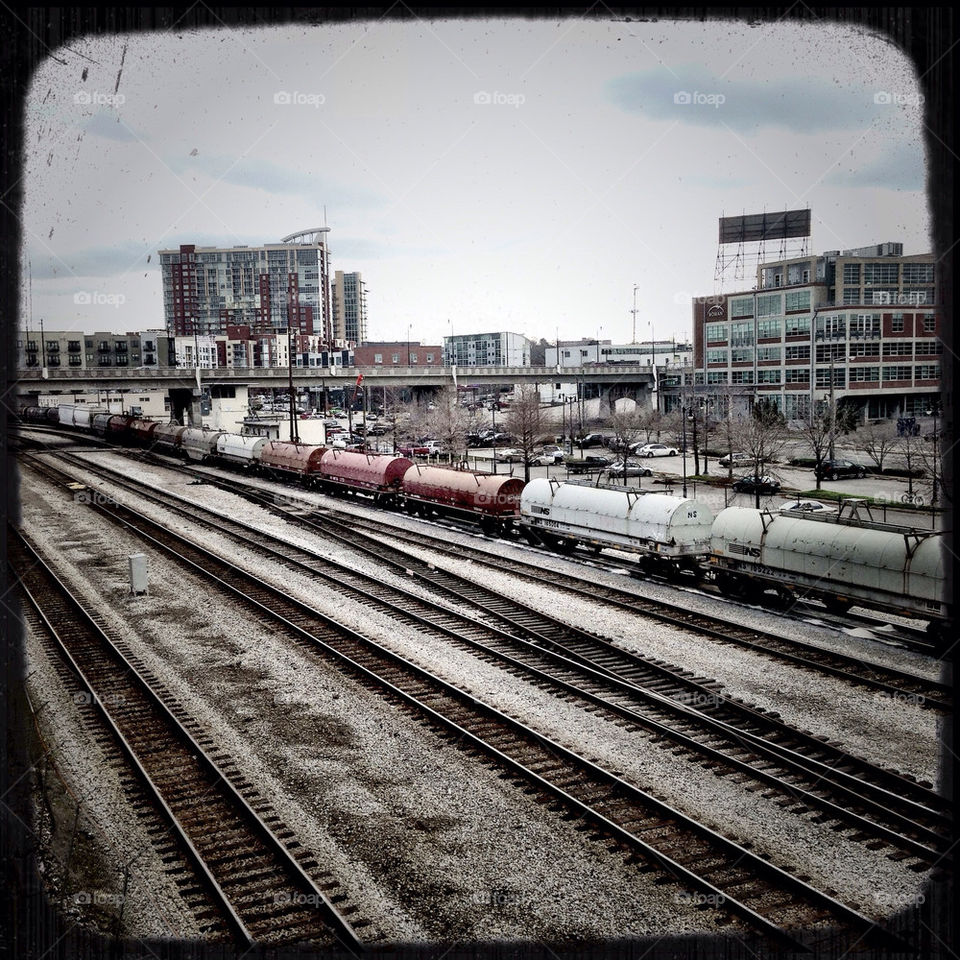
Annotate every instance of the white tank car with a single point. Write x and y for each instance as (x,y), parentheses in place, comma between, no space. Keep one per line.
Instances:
(840,560)
(655,525)
(236,448)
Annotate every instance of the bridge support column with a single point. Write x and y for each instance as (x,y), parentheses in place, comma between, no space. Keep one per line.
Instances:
(606,401)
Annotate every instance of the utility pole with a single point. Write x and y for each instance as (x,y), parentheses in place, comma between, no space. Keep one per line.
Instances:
(634,312)
(833,408)
(294,432)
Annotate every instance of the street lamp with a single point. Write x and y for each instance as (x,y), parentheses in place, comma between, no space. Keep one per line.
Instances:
(683,444)
(934,411)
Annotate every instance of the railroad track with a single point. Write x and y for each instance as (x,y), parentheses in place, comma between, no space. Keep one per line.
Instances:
(900,684)
(256,885)
(778,905)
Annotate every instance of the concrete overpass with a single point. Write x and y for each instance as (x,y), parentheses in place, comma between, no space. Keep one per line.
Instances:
(609,381)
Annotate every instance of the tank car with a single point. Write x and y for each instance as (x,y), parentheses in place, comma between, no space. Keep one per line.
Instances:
(141,432)
(166,437)
(492,500)
(199,444)
(99,424)
(670,533)
(80,417)
(841,560)
(118,428)
(33,415)
(379,475)
(240,450)
(52,414)
(300,460)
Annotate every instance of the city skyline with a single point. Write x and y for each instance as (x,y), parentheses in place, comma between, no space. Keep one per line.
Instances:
(556,167)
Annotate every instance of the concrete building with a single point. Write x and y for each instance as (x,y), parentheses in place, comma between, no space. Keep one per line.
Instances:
(205,289)
(861,325)
(487,350)
(74,349)
(578,353)
(349,305)
(399,353)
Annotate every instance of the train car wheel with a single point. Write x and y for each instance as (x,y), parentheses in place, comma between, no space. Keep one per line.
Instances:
(837,604)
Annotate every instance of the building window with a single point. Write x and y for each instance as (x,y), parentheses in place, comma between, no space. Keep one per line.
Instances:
(851,295)
(864,349)
(928,372)
(864,325)
(769,305)
(798,351)
(716,376)
(716,332)
(429,358)
(742,307)
(716,356)
(896,323)
(741,334)
(918,273)
(900,348)
(797,300)
(741,355)
(742,377)
(396,358)
(768,376)
(768,353)
(881,273)
(796,375)
(861,374)
(897,373)
(929,323)
(832,328)
(797,326)
(839,376)
(413,357)
(851,274)
(831,351)
(767,329)
(74,346)
(378,358)
(796,406)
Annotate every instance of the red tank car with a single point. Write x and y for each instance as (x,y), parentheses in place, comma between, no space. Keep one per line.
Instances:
(376,474)
(141,431)
(492,500)
(167,436)
(292,459)
(118,428)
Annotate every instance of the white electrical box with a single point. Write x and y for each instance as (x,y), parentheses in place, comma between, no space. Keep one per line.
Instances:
(138,573)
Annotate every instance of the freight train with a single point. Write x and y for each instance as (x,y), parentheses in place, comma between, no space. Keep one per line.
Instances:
(840,560)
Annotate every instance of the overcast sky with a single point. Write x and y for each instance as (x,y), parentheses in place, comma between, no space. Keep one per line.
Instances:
(482,175)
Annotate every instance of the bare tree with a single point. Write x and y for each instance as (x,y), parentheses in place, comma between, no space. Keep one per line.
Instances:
(877,441)
(448,422)
(525,422)
(628,427)
(763,435)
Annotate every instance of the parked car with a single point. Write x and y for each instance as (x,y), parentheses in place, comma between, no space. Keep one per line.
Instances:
(435,446)
(592,440)
(547,458)
(737,460)
(839,469)
(510,455)
(413,450)
(806,506)
(751,484)
(629,468)
(656,450)
(591,463)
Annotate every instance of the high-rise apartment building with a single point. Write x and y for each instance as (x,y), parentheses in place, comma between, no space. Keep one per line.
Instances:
(349,308)
(266,288)
(487,350)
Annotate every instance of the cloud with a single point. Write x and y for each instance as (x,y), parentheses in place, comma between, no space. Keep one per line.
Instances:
(272,178)
(104,261)
(111,126)
(898,167)
(694,95)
